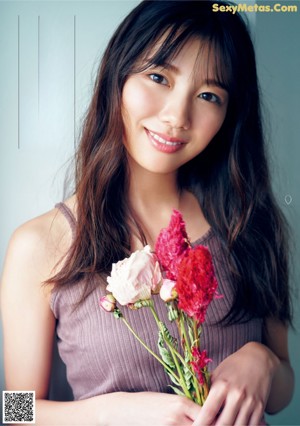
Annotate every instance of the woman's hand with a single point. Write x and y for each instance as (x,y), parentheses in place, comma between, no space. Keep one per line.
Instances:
(240,388)
(147,409)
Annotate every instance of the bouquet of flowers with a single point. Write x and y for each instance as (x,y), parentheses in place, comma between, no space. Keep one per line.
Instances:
(184,278)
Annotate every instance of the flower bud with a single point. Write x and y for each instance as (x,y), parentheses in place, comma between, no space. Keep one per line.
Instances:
(168,291)
(132,306)
(108,303)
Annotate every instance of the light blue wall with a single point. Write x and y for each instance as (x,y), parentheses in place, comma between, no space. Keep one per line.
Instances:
(48,55)
(277,38)
(49,51)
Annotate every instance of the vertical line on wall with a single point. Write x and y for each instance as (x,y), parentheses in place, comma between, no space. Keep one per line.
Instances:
(18,82)
(74,71)
(38,69)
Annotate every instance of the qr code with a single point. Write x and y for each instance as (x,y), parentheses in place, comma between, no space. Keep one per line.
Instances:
(18,407)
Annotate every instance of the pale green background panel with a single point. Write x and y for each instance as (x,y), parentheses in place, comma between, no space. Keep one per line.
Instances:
(277,38)
(48,59)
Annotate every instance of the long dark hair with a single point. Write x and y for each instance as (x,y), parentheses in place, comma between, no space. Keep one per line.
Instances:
(230,177)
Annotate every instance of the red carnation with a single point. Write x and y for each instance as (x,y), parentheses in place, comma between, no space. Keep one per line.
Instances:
(172,242)
(196,282)
(199,362)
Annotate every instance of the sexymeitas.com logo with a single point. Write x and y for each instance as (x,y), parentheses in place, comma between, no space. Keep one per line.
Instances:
(244,7)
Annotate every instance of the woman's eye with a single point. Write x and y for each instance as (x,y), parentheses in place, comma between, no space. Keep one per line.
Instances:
(159,79)
(210,97)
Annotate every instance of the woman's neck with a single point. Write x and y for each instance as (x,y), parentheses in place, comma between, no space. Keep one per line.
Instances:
(152,198)
(153,193)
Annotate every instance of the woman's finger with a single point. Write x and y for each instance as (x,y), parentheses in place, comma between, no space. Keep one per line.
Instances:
(212,405)
(232,406)
(250,413)
(257,414)
(244,413)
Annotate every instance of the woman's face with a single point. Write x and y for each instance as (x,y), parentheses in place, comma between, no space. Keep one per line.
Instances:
(171,113)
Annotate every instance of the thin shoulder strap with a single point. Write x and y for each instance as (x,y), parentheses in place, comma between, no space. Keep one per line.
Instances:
(67,212)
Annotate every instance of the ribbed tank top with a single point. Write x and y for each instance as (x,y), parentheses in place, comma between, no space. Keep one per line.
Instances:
(102,356)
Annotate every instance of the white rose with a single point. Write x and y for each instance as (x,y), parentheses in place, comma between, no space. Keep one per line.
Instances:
(135,278)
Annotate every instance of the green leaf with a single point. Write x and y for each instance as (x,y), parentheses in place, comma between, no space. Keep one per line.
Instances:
(188,376)
(177,391)
(191,335)
(173,378)
(187,370)
(167,336)
(166,356)
(199,331)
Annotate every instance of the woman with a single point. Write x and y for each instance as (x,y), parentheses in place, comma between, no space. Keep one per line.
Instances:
(174,122)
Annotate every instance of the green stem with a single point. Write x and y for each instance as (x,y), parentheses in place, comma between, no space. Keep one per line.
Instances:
(183,331)
(188,348)
(196,383)
(149,350)
(196,386)
(174,354)
(188,344)
(195,342)
(158,322)
(195,329)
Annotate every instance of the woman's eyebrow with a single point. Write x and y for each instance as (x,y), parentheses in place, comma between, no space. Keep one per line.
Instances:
(217,83)
(207,81)
(171,67)
(166,65)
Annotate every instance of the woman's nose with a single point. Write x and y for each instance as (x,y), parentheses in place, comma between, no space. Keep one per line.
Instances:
(176,111)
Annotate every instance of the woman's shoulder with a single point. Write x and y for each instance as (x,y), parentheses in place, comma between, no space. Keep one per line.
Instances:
(40,243)
(50,229)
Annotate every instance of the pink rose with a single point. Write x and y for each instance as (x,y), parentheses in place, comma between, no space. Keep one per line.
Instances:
(135,278)
(168,291)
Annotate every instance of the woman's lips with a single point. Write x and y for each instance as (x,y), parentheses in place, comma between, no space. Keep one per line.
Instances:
(165,143)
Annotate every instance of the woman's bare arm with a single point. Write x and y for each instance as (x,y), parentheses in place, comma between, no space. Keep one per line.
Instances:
(29,324)
(29,327)
(281,392)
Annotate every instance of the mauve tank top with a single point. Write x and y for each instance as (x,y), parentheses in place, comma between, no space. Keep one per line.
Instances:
(102,356)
